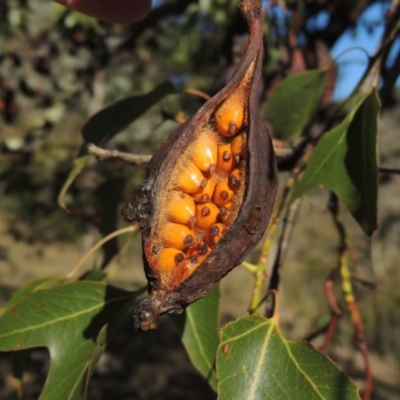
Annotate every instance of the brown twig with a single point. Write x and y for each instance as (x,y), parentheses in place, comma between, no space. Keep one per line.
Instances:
(348,293)
(389,171)
(283,243)
(103,154)
(336,312)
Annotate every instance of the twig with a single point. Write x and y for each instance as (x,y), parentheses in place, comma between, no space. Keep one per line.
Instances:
(389,171)
(336,312)
(261,268)
(100,243)
(197,92)
(103,154)
(283,243)
(347,289)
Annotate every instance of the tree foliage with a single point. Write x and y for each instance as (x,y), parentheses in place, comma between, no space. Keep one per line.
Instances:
(69,81)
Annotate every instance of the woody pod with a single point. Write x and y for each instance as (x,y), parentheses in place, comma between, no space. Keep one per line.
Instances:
(243,211)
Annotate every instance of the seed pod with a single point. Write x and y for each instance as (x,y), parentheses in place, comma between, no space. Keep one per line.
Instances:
(241,222)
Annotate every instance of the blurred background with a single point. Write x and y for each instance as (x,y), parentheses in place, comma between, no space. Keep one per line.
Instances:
(58,68)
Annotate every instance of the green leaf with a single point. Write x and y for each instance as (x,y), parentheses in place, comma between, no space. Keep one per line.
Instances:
(104,125)
(199,327)
(345,161)
(254,361)
(295,102)
(67,320)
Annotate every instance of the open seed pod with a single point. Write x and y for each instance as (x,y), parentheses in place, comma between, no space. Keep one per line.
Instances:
(209,191)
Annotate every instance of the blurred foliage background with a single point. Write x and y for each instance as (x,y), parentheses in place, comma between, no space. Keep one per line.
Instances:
(58,68)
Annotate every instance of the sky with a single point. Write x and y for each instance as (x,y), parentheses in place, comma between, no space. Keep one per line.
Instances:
(352,49)
(353,62)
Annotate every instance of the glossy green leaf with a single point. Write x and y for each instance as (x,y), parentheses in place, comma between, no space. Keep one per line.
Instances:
(254,362)
(345,161)
(67,320)
(295,101)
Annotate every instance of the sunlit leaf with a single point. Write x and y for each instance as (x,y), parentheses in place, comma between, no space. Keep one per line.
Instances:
(295,101)
(200,327)
(67,320)
(345,161)
(254,362)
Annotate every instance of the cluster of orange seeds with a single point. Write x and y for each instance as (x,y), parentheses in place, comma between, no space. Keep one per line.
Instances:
(203,195)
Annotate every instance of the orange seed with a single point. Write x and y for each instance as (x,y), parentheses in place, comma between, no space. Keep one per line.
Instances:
(215,233)
(176,235)
(229,118)
(195,255)
(204,195)
(235,179)
(223,193)
(206,215)
(190,179)
(181,208)
(225,158)
(168,259)
(205,152)
(238,147)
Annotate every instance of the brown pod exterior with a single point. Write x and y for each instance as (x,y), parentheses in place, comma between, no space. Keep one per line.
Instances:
(256,206)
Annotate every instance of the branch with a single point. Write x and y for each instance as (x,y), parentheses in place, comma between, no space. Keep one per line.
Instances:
(389,171)
(348,293)
(103,154)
